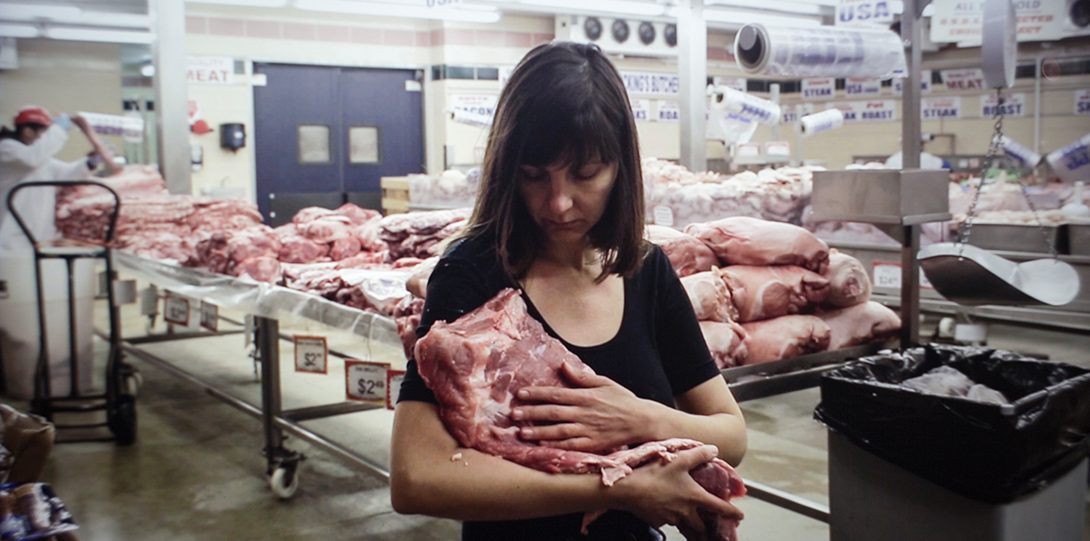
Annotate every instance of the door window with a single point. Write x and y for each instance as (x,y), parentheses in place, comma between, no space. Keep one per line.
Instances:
(314,144)
(363,144)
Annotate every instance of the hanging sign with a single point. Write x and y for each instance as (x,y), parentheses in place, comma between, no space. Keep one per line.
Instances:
(1082,102)
(1014,105)
(655,84)
(393,387)
(311,354)
(856,12)
(962,21)
(209,316)
(792,113)
(940,107)
(868,111)
(819,89)
(176,310)
(963,79)
(641,110)
(667,111)
(925,84)
(365,380)
(216,70)
(862,86)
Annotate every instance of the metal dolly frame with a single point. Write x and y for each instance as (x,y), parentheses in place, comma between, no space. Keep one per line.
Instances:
(118,400)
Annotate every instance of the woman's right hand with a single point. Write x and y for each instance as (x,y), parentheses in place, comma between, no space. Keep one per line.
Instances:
(660,493)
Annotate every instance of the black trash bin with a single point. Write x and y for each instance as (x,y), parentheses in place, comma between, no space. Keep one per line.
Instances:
(960,467)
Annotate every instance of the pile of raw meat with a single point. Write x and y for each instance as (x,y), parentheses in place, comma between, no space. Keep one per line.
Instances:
(349,255)
(152,223)
(766,291)
(478,363)
(450,189)
(687,198)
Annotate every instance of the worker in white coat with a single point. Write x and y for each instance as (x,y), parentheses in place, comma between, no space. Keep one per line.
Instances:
(27,154)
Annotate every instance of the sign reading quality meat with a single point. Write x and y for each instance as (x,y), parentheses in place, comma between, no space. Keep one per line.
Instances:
(963,79)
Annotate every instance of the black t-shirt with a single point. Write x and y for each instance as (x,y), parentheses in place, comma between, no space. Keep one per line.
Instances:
(658,353)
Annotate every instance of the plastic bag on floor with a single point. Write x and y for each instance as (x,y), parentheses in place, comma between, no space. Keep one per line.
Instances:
(986,451)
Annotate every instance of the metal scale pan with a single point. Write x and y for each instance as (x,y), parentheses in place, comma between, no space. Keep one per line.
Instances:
(971,276)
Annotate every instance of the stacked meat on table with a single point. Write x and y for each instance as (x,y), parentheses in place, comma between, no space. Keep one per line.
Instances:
(772,290)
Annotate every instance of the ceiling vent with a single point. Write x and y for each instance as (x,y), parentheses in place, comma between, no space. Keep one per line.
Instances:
(631,37)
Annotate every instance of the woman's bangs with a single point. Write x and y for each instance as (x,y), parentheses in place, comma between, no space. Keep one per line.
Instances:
(585,134)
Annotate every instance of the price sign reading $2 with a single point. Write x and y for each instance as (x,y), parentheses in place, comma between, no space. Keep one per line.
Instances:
(311,354)
(365,380)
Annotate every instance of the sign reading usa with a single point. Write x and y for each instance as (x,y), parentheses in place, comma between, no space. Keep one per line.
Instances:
(850,12)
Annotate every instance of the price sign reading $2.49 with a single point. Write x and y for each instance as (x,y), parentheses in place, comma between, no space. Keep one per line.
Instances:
(365,380)
(311,354)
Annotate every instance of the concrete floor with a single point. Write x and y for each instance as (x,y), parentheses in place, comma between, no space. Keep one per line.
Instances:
(196,471)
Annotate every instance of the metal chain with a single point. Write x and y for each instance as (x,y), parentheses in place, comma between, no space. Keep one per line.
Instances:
(994,149)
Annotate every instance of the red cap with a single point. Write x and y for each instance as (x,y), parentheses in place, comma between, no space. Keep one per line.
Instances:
(200,127)
(33,115)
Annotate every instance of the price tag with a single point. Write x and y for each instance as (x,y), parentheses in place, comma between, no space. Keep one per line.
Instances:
(393,387)
(365,380)
(887,274)
(779,149)
(210,316)
(176,310)
(311,354)
(663,215)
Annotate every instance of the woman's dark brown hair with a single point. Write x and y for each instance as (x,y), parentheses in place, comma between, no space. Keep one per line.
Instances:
(565,104)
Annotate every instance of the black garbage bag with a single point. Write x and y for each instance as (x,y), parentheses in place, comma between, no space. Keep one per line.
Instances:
(989,452)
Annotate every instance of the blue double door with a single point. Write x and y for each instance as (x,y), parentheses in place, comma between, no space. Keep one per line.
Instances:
(326,135)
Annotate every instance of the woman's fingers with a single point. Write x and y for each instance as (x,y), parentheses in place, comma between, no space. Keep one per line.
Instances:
(551,432)
(552,395)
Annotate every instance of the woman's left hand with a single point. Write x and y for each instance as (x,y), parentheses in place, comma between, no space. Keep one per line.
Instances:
(596,415)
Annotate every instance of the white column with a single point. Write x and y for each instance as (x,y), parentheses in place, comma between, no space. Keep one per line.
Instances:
(692,62)
(171,102)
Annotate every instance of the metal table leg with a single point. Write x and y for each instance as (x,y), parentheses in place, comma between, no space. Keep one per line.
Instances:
(281,464)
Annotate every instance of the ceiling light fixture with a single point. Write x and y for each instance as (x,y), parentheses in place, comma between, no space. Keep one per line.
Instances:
(245,3)
(460,12)
(18,31)
(620,7)
(31,11)
(105,36)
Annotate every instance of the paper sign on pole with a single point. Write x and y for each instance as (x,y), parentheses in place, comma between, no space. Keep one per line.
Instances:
(862,86)
(641,110)
(1014,105)
(963,79)
(1082,102)
(819,89)
(365,380)
(925,84)
(478,104)
(311,354)
(936,108)
(868,111)
(667,111)
(656,84)
(860,12)
(210,69)
(792,113)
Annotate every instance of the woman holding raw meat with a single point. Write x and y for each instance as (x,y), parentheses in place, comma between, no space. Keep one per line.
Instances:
(559,217)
